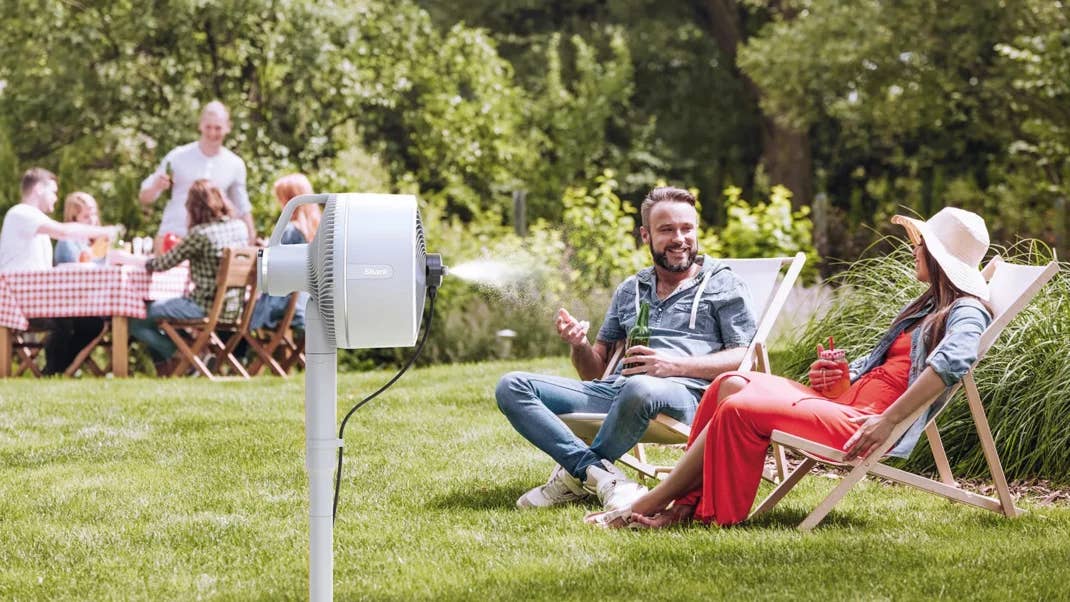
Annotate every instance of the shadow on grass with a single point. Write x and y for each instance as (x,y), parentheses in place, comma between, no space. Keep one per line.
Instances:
(789,518)
(478,496)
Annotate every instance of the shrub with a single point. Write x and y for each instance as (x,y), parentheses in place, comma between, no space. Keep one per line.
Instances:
(1022,380)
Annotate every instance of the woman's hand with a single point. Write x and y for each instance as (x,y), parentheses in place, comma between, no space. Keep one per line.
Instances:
(875,430)
(824,373)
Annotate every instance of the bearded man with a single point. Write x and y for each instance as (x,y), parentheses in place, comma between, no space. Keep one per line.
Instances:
(700,327)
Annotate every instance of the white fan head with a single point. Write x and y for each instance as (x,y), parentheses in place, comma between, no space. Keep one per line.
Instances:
(367,268)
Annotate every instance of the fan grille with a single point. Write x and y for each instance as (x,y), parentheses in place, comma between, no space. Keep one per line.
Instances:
(321,268)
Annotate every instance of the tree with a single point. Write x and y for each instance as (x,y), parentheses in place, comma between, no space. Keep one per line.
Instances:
(101,90)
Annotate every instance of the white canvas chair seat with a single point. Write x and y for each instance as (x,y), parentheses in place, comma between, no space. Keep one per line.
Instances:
(768,296)
(1012,287)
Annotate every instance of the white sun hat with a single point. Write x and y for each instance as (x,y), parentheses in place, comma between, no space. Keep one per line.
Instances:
(957,240)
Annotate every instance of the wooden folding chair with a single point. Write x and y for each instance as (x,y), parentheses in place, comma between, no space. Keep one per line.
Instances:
(1013,287)
(26,346)
(276,348)
(767,300)
(85,356)
(196,336)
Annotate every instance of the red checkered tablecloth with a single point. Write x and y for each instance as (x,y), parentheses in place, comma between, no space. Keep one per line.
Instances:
(85,291)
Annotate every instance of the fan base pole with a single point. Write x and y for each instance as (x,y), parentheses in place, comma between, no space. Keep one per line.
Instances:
(321,449)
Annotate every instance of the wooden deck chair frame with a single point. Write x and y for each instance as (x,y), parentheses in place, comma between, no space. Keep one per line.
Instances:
(769,297)
(235,268)
(1013,287)
(269,342)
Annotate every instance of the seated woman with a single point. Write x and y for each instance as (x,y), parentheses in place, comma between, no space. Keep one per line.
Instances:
(78,207)
(301,229)
(212,227)
(930,346)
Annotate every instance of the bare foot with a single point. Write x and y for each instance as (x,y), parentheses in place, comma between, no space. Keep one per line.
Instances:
(665,518)
(625,518)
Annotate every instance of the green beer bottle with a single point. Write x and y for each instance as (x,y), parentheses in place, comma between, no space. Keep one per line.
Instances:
(640,333)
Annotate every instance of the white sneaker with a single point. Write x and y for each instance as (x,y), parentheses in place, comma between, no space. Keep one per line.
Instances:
(614,489)
(562,488)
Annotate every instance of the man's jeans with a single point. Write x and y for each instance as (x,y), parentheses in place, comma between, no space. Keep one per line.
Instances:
(532,402)
(161,347)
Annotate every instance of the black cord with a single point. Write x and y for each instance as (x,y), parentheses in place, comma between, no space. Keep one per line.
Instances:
(431,293)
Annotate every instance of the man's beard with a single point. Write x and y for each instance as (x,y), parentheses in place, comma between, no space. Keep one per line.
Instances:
(662,259)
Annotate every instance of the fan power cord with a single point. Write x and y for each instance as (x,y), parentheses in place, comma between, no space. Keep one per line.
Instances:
(432,293)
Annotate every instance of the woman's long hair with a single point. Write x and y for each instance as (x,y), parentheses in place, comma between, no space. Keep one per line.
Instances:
(943,294)
(206,203)
(306,217)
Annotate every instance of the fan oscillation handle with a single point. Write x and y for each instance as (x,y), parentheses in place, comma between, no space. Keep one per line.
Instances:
(288,211)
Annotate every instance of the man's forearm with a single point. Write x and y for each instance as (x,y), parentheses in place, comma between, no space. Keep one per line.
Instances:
(148,195)
(589,365)
(710,366)
(248,219)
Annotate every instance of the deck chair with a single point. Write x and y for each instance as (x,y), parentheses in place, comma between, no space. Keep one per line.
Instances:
(767,299)
(276,348)
(1013,287)
(197,336)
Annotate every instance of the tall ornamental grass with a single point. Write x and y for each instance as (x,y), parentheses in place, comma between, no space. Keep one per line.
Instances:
(1023,380)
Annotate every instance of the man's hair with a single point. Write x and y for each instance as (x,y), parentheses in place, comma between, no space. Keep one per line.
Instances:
(216,108)
(35,176)
(205,203)
(661,194)
(75,203)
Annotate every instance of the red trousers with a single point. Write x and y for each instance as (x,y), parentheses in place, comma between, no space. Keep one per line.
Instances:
(739,428)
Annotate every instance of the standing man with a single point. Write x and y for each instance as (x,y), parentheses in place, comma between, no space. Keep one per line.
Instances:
(206,158)
(25,244)
(700,327)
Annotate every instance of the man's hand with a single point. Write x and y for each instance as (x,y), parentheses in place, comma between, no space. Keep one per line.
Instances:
(571,330)
(161,183)
(640,359)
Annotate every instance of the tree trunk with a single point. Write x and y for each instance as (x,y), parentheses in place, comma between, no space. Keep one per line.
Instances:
(785,151)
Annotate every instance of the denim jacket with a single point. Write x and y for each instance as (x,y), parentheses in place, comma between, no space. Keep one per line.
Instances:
(952,358)
(706,314)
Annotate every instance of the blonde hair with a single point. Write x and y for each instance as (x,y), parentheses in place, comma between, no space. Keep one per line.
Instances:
(76,203)
(306,217)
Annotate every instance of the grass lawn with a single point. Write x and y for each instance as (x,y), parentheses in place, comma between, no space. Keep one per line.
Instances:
(185,489)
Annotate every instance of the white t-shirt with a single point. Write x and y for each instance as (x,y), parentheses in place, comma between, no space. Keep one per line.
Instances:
(21,247)
(225,169)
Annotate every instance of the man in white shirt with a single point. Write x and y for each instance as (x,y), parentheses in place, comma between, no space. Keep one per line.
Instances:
(208,159)
(25,238)
(25,244)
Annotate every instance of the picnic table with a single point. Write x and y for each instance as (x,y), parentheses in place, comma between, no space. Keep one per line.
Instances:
(84,290)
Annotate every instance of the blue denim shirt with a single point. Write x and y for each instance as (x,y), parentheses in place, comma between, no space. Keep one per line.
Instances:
(723,319)
(952,358)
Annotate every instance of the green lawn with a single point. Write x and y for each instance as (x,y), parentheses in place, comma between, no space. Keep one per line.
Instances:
(185,489)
